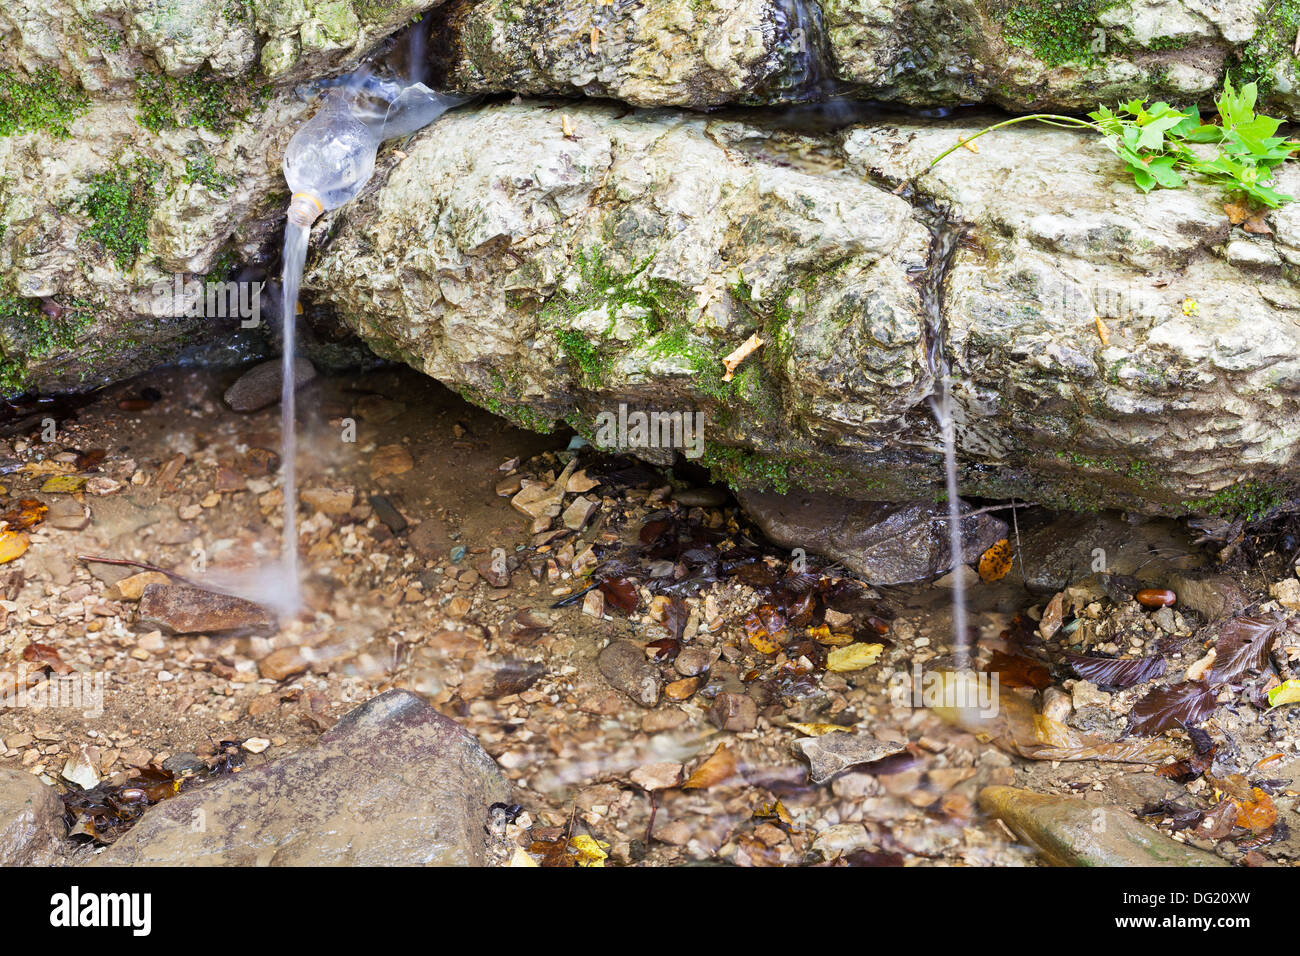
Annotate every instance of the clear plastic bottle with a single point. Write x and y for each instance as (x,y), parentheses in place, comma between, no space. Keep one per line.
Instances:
(328,161)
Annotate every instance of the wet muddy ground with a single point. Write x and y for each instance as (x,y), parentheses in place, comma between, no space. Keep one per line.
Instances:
(421,575)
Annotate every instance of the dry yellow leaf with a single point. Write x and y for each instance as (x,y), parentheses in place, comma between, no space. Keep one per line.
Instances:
(12,545)
(824,635)
(854,657)
(1103,333)
(996,561)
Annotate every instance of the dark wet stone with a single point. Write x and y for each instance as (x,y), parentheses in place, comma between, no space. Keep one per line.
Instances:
(735,712)
(260,386)
(885,543)
(393,783)
(625,667)
(702,497)
(388,514)
(185,610)
(183,763)
(31,821)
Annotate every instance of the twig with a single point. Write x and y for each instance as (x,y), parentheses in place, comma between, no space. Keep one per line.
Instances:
(649,827)
(982,511)
(127,563)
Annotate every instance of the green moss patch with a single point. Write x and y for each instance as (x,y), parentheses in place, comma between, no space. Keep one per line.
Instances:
(1055,31)
(1279,21)
(30,334)
(48,103)
(197,101)
(120,203)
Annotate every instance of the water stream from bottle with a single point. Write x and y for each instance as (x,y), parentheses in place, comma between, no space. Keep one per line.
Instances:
(294,258)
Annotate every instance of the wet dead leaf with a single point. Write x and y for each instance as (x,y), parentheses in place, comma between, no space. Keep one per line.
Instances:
(818,730)
(1287,692)
(1171,708)
(46,656)
(996,561)
(589,850)
(854,657)
(718,768)
(13,544)
(27,514)
(1257,813)
(63,484)
(1111,672)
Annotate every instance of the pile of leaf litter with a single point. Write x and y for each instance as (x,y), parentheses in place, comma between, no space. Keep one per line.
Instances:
(100,815)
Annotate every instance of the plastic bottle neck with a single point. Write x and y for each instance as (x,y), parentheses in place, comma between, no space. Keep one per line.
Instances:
(304,209)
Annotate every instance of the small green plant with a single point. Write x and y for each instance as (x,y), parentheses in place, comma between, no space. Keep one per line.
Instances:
(1156,143)
(46,103)
(120,204)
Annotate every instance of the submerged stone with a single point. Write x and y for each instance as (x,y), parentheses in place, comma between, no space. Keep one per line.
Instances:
(259,387)
(885,543)
(1069,831)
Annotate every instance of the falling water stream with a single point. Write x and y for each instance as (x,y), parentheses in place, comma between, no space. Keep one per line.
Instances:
(295,256)
(942,247)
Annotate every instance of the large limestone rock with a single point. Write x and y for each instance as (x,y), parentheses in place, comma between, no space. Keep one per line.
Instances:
(618,258)
(393,783)
(103,44)
(140,146)
(660,53)
(1021,54)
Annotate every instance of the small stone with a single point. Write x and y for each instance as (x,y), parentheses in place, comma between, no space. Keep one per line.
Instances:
(734,712)
(834,753)
(579,483)
(593,603)
(282,663)
(260,386)
(1086,694)
(131,588)
(329,501)
(835,618)
(256,745)
(683,689)
(1286,593)
(376,409)
(81,769)
(188,610)
(1070,831)
(388,514)
(389,460)
(189,512)
(67,514)
(624,665)
(701,497)
(579,513)
(1057,704)
(102,485)
(663,718)
(228,480)
(692,661)
(494,570)
(657,776)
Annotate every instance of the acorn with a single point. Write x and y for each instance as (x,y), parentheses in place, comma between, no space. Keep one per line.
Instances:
(1155,597)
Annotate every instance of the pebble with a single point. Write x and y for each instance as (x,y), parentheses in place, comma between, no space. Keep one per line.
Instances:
(657,776)
(692,661)
(624,665)
(734,712)
(330,501)
(67,514)
(282,663)
(579,513)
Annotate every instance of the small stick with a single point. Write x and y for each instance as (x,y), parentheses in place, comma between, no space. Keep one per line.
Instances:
(127,563)
(649,827)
